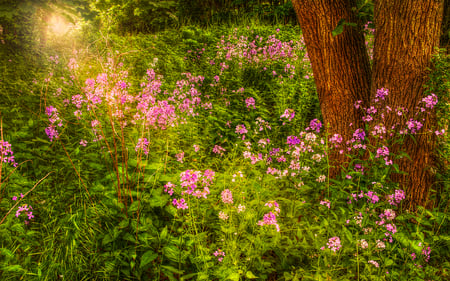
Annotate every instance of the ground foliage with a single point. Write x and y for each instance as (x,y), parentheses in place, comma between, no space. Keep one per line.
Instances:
(198,154)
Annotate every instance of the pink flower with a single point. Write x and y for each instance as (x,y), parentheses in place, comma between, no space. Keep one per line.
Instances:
(223,215)
(180,156)
(227,197)
(220,254)
(196,148)
(334,243)
(326,202)
(374,263)
(142,144)
(250,102)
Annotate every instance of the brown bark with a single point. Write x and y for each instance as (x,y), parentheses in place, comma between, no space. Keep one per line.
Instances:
(340,64)
(406,34)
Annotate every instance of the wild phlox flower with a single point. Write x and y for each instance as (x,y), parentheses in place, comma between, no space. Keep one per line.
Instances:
(326,202)
(168,187)
(374,263)
(430,101)
(227,196)
(315,125)
(388,214)
(6,153)
(223,215)
(396,198)
(180,203)
(382,151)
(334,243)
(363,243)
(382,93)
(220,254)
(250,102)
(218,150)
(142,144)
(180,156)
(241,208)
(288,114)
(321,178)
(271,217)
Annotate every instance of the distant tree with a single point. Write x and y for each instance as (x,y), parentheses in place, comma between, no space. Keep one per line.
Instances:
(407,31)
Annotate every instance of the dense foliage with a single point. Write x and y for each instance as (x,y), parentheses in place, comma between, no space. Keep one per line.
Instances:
(198,154)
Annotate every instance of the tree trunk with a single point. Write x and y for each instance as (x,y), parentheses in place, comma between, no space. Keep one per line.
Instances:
(340,64)
(407,31)
(445,30)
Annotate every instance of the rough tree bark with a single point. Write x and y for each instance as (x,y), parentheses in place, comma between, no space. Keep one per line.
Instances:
(406,33)
(340,64)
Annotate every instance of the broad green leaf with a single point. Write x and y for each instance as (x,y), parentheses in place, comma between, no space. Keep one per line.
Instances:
(250,275)
(147,258)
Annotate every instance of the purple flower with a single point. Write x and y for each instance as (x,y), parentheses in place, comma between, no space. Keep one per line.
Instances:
(180,156)
(288,114)
(359,134)
(180,204)
(293,140)
(382,93)
(51,132)
(6,154)
(430,101)
(315,125)
(382,151)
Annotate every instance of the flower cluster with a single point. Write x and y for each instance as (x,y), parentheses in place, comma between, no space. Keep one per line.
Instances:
(193,183)
(220,254)
(6,154)
(54,119)
(218,150)
(142,144)
(24,208)
(288,114)
(250,102)
(271,217)
(227,196)
(334,243)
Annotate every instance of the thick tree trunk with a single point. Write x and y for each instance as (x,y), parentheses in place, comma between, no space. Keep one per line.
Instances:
(407,31)
(340,64)
(445,30)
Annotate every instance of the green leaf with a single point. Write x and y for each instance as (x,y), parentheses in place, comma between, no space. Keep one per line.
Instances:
(107,239)
(15,268)
(124,223)
(188,276)
(233,276)
(147,258)
(6,252)
(172,269)
(133,207)
(339,28)
(250,275)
